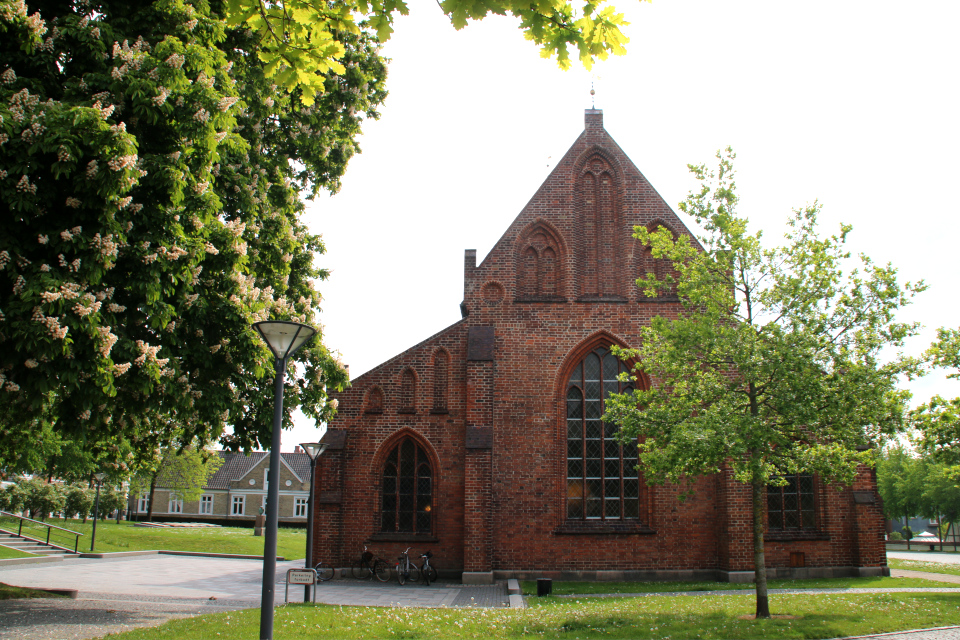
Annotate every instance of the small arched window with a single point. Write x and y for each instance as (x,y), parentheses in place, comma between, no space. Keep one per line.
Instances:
(441,366)
(407,488)
(602,481)
(529,276)
(408,391)
(374,401)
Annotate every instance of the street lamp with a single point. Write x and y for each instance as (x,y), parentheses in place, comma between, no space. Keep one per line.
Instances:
(96,508)
(313,449)
(283,338)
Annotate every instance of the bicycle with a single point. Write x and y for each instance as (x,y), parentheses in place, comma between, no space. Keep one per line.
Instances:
(427,570)
(324,572)
(368,566)
(406,570)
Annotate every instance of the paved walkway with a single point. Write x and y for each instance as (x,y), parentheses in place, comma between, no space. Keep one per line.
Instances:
(117,594)
(926,556)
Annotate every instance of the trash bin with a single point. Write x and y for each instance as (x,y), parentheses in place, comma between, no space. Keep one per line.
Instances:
(544,587)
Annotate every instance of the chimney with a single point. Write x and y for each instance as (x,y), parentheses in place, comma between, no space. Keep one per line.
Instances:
(593,119)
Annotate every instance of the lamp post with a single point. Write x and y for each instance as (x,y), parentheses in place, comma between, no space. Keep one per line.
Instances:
(313,449)
(96,509)
(283,338)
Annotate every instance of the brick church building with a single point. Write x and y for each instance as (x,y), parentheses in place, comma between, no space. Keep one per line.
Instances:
(484,444)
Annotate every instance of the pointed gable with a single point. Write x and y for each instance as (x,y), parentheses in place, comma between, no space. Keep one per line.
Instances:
(573,241)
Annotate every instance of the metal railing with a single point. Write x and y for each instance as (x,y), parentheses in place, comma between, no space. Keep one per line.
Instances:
(49,527)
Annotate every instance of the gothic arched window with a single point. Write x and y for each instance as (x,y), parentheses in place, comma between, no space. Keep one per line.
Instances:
(408,391)
(441,365)
(407,488)
(602,481)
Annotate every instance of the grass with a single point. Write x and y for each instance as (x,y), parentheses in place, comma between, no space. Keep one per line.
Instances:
(7,553)
(9,592)
(930,567)
(529,587)
(705,617)
(291,543)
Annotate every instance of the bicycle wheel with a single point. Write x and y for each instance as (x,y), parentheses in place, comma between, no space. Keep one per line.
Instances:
(382,570)
(401,575)
(430,574)
(361,570)
(414,575)
(324,571)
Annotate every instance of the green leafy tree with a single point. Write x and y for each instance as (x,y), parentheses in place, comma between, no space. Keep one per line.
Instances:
(12,498)
(152,176)
(79,501)
(941,498)
(153,159)
(43,498)
(112,500)
(301,38)
(773,365)
(901,480)
(938,421)
(184,472)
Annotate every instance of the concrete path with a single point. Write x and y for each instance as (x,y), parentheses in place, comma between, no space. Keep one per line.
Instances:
(118,594)
(926,556)
(220,579)
(925,575)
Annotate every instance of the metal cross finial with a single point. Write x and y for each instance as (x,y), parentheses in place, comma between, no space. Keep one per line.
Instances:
(593,104)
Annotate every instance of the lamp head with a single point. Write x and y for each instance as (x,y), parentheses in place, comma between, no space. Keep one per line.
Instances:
(283,338)
(314,449)
(100,476)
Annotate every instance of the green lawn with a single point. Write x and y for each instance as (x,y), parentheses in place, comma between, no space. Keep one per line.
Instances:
(7,552)
(291,543)
(529,587)
(706,617)
(930,567)
(9,592)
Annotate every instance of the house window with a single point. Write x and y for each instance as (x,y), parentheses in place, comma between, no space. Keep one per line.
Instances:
(602,481)
(206,504)
(407,500)
(238,505)
(175,505)
(143,502)
(266,479)
(792,506)
(300,508)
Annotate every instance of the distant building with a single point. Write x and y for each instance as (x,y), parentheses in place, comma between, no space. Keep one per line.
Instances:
(236,492)
(484,442)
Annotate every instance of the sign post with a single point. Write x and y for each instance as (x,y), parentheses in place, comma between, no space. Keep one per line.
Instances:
(301,576)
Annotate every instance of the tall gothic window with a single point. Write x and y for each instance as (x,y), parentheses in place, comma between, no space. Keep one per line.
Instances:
(407,489)
(602,481)
(792,506)
(408,391)
(441,362)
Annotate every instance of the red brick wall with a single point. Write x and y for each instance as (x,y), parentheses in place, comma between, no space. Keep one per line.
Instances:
(550,289)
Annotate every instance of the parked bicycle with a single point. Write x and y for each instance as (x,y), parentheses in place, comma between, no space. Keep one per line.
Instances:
(324,571)
(427,570)
(407,570)
(368,566)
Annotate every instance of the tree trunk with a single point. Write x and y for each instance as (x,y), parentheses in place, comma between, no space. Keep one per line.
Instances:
(940,531)
(759,561)
(153,488)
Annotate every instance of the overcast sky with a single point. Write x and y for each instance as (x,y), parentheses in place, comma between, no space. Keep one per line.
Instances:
(852,103)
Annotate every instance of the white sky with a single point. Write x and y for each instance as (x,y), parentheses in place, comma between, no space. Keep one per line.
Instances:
(853,103)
